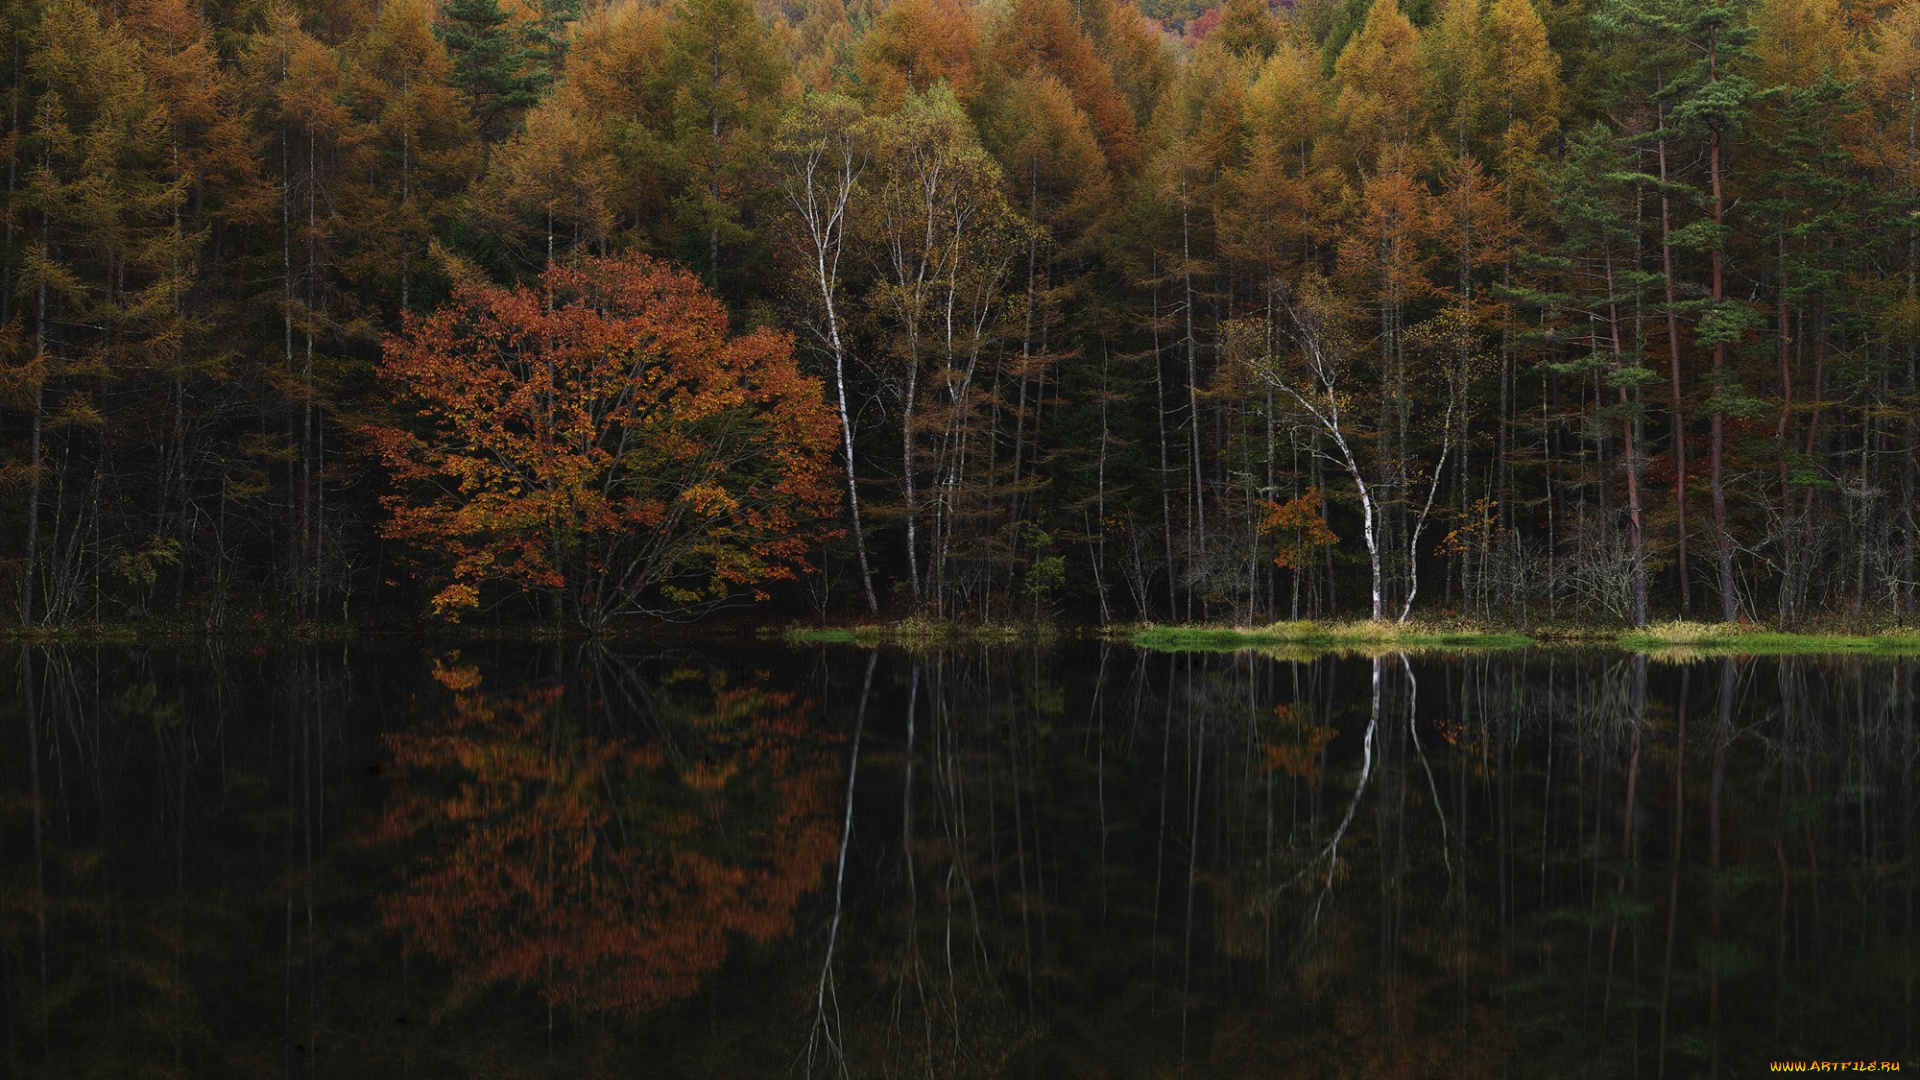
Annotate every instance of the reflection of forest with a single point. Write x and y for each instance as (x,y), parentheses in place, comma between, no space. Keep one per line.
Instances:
(603,866)
(1085,862)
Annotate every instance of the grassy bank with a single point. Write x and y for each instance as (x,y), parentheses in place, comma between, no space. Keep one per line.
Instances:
(1676,640)
(166,632)
(1728,639)
(920,634)
(1673,640)
(1355,635)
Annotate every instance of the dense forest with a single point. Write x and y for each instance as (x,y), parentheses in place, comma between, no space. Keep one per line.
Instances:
(1568,309)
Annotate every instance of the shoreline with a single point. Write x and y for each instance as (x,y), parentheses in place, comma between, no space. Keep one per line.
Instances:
(1672,640)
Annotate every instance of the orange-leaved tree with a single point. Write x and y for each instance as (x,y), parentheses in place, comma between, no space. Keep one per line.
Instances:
(604,441)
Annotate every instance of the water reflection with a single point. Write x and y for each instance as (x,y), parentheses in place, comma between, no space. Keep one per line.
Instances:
(1086,861)
(604,865)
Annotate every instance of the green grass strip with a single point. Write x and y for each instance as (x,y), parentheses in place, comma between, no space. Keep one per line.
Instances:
(1355,636)
(1676,640)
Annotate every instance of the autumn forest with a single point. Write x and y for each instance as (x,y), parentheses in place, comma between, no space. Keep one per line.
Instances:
(575,311)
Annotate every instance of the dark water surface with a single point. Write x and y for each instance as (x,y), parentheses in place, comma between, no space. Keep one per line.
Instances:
(1089,861)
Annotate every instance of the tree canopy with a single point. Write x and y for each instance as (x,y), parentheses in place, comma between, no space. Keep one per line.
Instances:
(603,439)
(1620,297)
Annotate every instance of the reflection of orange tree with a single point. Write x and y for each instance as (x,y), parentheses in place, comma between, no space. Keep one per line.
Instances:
(606,871)
(1293,743)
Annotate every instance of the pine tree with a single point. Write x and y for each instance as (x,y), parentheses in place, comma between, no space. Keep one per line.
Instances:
(422,142)
(104,266)
(1596,200)
(914,46)
(1524,89)
(725,83)
(551,189)
(1713,99)
(1246,26)
(1378,77)
(1890,145)
(1686,61)
(492,66)
(1802,128)
(548,36)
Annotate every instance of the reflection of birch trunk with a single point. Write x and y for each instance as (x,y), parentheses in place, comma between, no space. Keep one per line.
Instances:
(953,822)
(287,1040)
(1330,852)
(1413,729)
(910,967)
(1160,842)
(824,1036)
(1025,895)
(1099,718)
(1193,879)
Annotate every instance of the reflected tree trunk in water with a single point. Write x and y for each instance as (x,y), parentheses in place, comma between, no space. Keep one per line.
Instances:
(1328,922)
(1160,843)
(1193,880)
(1413,732)
(824,1038)
(1673,885)
(1722,732)
(1637,722)
(30,717)
(1330,853)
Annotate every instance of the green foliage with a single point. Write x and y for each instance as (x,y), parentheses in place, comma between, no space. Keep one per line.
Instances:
(723,79)
(1045,573)
(141,567)
(491,64)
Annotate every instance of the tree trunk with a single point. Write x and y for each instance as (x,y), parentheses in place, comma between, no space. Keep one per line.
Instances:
(1160,423)
(846,423)
(906,467)
(1629,445)
(1673,362)
(1723,546)
(1197,512)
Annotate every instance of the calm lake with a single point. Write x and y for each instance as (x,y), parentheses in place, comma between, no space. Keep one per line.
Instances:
(1075,861)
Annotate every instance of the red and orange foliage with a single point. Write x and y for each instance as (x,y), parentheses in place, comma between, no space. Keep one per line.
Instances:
(605,871)
(602,438)
(1294,744)
(1297,528)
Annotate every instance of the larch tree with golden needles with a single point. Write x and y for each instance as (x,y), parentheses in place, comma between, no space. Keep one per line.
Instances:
(602,440)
